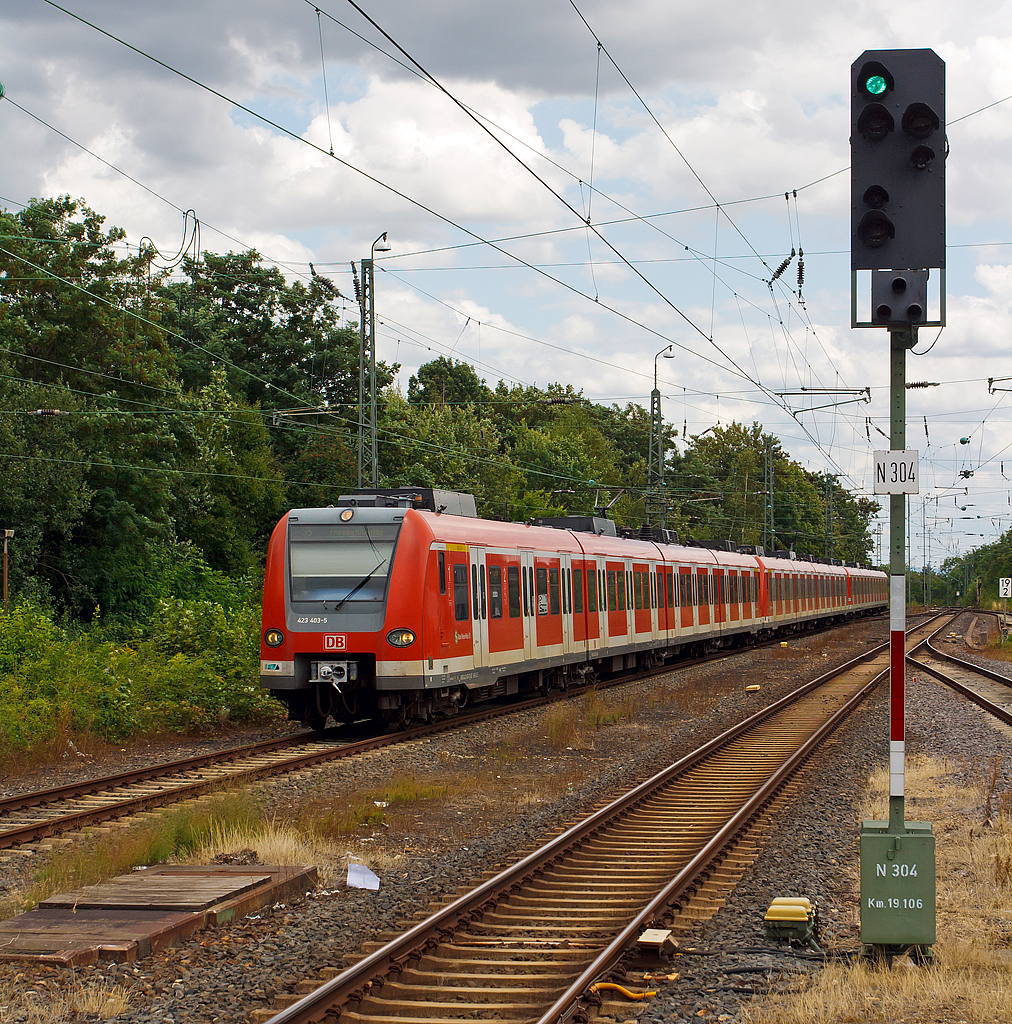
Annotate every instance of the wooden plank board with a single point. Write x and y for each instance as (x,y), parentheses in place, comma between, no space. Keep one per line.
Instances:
(157,890)
(122,919)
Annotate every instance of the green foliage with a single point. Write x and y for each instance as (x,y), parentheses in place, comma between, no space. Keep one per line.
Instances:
(191,667)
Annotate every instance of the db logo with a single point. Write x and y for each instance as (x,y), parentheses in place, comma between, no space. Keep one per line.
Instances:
(335,642)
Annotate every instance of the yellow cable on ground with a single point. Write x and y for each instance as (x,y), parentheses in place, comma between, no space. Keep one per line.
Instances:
(599,986)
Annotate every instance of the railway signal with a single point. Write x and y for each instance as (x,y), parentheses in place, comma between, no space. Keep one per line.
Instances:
(897,148)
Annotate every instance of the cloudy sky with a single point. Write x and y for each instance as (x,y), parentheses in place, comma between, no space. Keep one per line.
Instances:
(704,142)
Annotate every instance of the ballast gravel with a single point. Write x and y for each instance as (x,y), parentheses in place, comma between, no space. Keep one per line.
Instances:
(511,786)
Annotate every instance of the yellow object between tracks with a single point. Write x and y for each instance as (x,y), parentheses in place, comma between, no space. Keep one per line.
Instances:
(612,987)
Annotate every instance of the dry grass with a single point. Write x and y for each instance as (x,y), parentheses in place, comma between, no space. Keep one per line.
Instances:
(45,1004)
(971,980)
(171,833)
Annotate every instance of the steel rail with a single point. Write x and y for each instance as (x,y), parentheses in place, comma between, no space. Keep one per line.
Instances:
(353,983)
(88,787)
(978,698)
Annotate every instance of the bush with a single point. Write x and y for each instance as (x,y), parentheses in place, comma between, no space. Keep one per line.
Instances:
(193,666)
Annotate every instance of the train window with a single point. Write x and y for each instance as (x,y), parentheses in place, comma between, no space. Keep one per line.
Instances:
(526,606)
(659,587)
(553,591)
(344,563)
(541,576)
(671,589)
(621,583)
(481,572)
(683,595)
(474,592)
(513,590)
(638,588)
(460,593)
(567,591)
(612,589)
(578,592)
(495,592)
(441,559)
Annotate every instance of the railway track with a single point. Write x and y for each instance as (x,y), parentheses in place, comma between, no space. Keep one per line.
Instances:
(990,690)
(529,943)
(29,817)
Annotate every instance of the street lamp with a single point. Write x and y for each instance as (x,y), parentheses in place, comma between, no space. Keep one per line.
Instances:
(8,535)
(367,354)
(655,462)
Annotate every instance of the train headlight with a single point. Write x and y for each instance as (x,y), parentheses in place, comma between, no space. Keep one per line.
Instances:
(347,515)
(274,638)
(401,637)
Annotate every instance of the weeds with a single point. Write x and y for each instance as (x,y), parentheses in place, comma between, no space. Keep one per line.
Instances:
(321,819)
(42,1004)
(562,725)
(178,834)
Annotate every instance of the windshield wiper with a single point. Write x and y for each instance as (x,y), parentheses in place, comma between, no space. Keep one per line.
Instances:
(358,586)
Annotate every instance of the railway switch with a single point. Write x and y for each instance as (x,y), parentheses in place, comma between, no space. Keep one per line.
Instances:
(793,919)
(897,885)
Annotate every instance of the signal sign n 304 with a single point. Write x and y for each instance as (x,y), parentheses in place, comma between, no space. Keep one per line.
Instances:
(896,472)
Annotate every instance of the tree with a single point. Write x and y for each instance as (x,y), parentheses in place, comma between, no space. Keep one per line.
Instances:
(447,382)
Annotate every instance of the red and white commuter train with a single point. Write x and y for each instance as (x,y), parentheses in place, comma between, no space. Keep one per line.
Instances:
(402,604)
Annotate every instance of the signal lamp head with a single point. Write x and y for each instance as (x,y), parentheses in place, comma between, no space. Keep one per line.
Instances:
(875,79)
(274,638)
(875,196)
(875,229)
(919,121)
(401,637)
(921,157)
(875,122)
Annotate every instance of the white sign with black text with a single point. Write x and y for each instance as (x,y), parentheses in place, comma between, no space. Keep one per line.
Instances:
(896,472)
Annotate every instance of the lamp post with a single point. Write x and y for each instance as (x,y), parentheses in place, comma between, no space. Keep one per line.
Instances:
(8,535)
(367,357)
(656,505)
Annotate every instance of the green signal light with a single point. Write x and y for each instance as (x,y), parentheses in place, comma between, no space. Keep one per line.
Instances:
(875,85)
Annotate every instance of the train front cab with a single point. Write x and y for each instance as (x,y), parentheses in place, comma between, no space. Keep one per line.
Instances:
(333,613)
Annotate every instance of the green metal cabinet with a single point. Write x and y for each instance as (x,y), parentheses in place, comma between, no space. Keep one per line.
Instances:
(897,884)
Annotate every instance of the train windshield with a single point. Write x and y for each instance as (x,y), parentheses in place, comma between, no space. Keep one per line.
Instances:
(343,563)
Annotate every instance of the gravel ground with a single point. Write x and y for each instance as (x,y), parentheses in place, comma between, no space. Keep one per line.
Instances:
(517,789)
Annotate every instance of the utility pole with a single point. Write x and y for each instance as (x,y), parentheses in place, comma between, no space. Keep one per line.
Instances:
(8,535)
(657,505)
(368,428)
(829,542)
(769,530)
